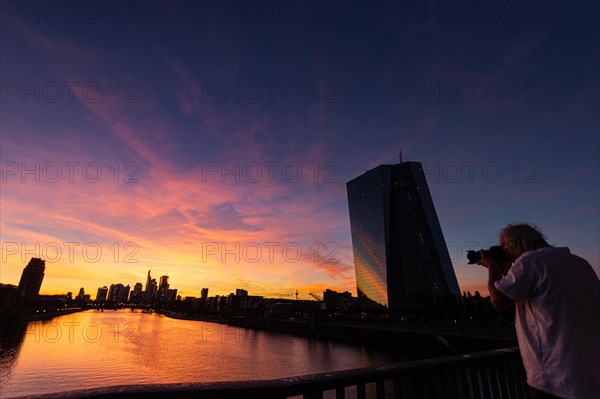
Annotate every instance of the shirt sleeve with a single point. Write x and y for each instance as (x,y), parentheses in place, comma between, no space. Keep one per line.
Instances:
(519,282)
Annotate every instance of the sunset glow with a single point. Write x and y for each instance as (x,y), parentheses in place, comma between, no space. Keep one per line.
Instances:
(218,152)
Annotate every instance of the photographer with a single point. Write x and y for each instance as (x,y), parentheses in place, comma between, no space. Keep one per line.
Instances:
(557,299)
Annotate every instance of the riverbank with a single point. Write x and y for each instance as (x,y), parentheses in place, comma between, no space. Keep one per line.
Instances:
(417,344)
(44,316)
(24,317)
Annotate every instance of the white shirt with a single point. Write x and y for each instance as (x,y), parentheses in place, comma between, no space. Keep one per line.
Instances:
(557,319)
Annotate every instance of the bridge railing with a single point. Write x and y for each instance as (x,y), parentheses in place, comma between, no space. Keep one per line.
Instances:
(495,374)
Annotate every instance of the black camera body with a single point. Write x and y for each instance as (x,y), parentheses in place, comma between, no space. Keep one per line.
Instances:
(496,252)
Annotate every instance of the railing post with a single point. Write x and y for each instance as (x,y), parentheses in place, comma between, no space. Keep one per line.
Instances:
(360,391)
(380,389)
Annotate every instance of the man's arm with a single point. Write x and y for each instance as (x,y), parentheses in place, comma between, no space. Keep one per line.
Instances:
(499,300)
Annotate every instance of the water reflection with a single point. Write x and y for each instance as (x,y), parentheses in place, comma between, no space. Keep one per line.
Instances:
(92,349)
(11,340)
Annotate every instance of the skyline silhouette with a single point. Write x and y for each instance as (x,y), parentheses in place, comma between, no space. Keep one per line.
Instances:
(155,153)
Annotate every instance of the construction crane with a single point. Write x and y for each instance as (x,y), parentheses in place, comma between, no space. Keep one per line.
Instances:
(316,296)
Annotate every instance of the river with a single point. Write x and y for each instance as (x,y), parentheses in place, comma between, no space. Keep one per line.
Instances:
(97,349)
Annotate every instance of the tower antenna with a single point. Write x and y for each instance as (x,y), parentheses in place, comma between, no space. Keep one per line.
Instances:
(400,154)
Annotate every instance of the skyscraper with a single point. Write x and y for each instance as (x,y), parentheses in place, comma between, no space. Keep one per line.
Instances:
(31,279)
(163,288)
(151,287)
(136,293)
(101,294)
(118,293)
(400,254)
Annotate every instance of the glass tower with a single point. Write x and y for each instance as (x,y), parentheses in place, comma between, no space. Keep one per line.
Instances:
(400,254)
(31,278)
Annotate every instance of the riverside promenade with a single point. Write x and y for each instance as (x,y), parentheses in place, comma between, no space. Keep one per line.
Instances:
(417,344)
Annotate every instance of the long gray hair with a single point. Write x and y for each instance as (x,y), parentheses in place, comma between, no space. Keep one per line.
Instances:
(522,237)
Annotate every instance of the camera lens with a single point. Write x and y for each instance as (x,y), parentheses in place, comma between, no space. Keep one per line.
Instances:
(473,257)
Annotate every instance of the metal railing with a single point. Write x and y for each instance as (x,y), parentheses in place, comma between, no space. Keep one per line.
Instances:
(495,374)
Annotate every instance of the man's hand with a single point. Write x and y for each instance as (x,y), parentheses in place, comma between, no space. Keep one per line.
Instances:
(495,273)
(485,260)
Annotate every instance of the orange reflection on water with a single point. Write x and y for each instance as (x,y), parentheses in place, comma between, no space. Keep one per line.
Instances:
(97,349)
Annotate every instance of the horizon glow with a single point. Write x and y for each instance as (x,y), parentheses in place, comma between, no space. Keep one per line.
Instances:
(183,139)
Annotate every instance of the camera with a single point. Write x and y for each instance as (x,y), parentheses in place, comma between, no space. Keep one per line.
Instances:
(496,252)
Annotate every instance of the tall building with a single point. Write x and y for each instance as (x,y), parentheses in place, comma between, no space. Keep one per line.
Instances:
(163,288)
(148,280)
(101,294)
(31,279)
(204,294)
(400,254)
(151,288)
(118,293)
(136,293)
(124,294)
(81,295)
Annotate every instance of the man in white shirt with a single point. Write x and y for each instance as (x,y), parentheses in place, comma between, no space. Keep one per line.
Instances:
(557,318)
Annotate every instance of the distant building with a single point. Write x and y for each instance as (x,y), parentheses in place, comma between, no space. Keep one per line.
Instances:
(171,295)
(163,289)
(279,310)
(81,295)
(225,302)
(250,301)
(241,292)
(31,278)
(400,254)
(213,302)
(204,294)
(118,293)
(124,294)
(8,300)
(217,302)
(136,293)
(338,301)
(151,288)
(101,294)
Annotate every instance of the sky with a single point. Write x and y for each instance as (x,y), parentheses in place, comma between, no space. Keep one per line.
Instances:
(212,141)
